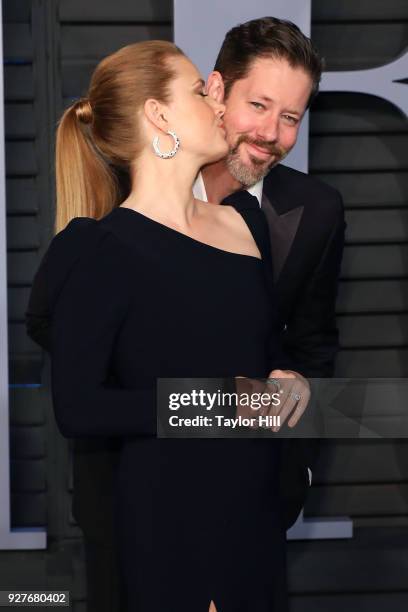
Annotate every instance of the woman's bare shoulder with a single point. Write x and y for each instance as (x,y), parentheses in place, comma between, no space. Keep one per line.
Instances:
(231,217)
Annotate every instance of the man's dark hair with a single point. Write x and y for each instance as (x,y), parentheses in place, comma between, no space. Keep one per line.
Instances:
(267,37)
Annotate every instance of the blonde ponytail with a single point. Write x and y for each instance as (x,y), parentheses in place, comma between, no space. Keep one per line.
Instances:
(86,185)
(101,131)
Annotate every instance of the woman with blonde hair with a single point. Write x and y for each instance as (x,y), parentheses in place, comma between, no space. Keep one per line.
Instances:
(169,287)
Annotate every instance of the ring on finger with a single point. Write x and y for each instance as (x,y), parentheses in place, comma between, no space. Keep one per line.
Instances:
(276,383)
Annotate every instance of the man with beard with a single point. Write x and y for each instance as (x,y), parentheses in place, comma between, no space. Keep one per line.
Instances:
(267,74)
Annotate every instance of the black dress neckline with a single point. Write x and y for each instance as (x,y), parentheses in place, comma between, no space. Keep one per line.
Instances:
(185,236)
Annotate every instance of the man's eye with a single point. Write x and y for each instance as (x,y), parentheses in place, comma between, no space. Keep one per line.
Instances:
(292,120)
(257,105)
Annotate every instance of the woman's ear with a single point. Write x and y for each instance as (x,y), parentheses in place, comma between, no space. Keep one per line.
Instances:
(155,113)
(215,86)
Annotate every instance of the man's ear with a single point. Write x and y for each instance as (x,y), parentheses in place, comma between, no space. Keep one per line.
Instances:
(155,113)
(215,86)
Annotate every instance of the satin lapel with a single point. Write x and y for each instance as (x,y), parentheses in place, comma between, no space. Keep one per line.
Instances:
(282,231)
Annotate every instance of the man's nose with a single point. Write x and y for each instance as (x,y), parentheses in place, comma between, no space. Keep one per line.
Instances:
(268,129)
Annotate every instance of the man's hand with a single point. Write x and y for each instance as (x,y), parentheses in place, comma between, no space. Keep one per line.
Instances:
(291,387)
(294,391)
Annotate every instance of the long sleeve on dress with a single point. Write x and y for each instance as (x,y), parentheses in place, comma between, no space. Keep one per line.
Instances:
(65,248)
(37,315)
(87,317)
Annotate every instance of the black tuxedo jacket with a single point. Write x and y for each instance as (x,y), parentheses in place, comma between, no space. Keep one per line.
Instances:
(304,221)
(306,225)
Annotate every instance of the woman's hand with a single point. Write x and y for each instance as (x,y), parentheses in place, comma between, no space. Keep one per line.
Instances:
(294,391)
(248,388)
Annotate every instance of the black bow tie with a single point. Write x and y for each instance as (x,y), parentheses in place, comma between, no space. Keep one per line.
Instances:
(241,200)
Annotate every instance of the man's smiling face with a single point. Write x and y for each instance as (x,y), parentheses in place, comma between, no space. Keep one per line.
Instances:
(262,117)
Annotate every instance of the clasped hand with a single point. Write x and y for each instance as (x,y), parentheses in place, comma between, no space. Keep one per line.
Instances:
(289,394)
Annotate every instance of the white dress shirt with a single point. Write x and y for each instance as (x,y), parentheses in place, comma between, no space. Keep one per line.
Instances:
(200,192)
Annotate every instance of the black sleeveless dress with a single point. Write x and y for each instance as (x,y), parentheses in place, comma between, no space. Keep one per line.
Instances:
(197,519)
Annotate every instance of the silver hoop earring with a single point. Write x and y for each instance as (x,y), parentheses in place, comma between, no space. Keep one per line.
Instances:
(170,153)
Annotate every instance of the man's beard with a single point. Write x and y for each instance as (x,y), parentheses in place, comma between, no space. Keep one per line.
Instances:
(250,174)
